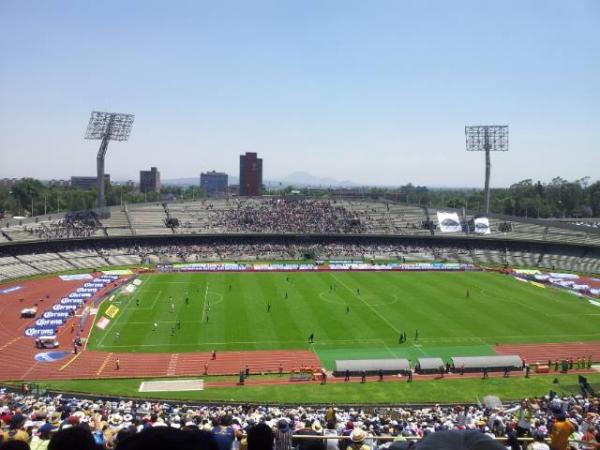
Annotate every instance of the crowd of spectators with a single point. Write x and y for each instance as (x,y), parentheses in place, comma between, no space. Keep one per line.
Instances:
(38,420)
(589,224)
(274,251)
(287,216)
(73,225)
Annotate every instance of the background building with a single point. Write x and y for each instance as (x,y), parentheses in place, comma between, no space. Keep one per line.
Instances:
(150,180)
(250,175)
(88,182)
(214,182)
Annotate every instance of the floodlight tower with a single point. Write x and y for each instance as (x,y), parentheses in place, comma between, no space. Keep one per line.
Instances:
(106,126)
(487,138)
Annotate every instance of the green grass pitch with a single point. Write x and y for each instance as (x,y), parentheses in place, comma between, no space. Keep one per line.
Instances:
(352,315)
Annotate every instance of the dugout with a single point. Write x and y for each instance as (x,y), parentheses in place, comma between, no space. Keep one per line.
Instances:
(429,365)
(371,366)
(491,363)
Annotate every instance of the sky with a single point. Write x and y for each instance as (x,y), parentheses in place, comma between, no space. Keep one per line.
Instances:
(375,92)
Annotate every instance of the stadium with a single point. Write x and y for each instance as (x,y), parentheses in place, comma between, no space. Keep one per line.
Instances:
(320,300)
(213,310)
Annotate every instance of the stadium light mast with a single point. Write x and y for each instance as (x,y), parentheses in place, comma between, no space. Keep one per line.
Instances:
(107,126)
(487,138)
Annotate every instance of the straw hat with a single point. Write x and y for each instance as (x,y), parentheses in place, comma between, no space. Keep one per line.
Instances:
(115,419)
(358,435)
(316,427)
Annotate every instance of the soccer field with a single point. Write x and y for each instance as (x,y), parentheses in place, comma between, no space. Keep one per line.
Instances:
(352,315)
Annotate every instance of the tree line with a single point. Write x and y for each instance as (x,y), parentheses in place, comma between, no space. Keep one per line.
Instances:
(29,196)
(558,198)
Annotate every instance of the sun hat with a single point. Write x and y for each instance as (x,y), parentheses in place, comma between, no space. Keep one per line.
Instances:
(115,419)
(316,427)
(358,435)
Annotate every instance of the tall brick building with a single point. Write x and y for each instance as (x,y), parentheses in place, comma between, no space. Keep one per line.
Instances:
(250,175)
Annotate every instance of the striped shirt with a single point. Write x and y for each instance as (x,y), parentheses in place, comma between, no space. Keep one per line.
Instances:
(283,440)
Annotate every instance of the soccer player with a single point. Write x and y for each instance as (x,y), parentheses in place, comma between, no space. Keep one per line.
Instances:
(137,302)
(286,295)
(268,307)
(311,338)
(172,307)
(347,309)
(416,334)
(187,300)
(117,336)
(179,324)
(154,326)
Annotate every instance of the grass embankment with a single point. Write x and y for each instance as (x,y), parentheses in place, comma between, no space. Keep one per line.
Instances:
(389,392)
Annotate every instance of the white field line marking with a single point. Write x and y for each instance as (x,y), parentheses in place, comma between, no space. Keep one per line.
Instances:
(114,322)
(303,341)
(390,351)
(419,347)
(204,305)
(372,309)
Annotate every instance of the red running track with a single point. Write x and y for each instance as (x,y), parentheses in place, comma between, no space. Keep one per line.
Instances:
(551,351)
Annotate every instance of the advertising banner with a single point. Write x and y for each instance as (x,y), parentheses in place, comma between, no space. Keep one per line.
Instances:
(111,311)
(580,287)
(482,225)
(60,307)
(103,322)
(527,271)
(76,277)
(50,356)
(566,276)
(130,289)
(117,272)
(10,289)
(49,323)
(448,222)
(35,332)
(55,315)
(71,301)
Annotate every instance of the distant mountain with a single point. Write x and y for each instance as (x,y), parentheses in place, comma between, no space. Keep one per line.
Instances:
(185,182)
(296,179)
(307,179)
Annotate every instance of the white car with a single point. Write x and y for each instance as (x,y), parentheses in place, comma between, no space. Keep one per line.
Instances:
(46,342)
(28,312)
